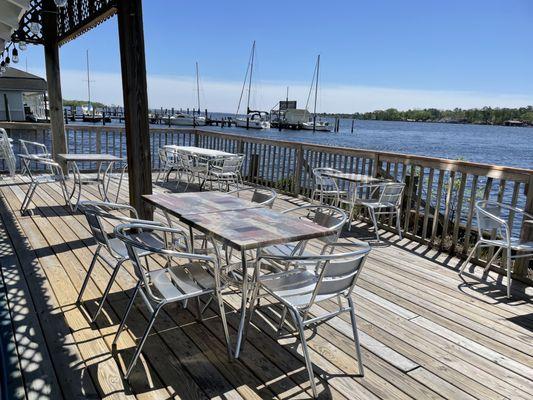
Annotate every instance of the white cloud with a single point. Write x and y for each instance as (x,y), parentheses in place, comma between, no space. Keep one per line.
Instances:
(179,91)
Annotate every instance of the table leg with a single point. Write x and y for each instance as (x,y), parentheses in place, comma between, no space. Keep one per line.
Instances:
(243,303)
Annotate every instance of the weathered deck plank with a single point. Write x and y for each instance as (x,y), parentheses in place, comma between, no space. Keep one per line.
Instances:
(424,332)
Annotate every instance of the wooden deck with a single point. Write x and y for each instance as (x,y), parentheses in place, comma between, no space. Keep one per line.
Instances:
(425,332)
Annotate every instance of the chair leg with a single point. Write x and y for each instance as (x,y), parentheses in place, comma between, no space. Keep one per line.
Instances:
(356,337)
(487,267)
(221,310)
(398,223)
(305,350)
(108,288)
(282,321)
(89,272)
(509,280)
(27,199)
(128,309)
(469,257)
(374,221)
(141,343)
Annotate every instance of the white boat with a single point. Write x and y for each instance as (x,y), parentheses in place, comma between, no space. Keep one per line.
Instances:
(321,126)
(181,119)
(253,121)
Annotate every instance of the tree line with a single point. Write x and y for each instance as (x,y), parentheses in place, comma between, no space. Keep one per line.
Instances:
(485,115)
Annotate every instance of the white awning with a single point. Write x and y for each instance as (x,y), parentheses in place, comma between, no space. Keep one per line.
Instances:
(11,11)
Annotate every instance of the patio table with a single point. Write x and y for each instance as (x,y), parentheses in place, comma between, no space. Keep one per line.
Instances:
(72,161)
(352,177)
(246,227)
(199,151)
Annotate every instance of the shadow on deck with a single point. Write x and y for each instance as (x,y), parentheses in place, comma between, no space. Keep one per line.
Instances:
(425,332)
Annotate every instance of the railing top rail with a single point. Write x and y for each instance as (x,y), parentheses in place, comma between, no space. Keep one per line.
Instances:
(482,169)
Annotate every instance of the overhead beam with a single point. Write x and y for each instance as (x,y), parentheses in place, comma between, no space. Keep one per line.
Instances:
(53,78)
(135,92)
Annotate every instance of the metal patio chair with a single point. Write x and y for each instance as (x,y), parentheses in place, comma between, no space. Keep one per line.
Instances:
(263,196)
(53,174)
(496,219)
(197,275)
(381,199)
(224,170)
(325,187)
(97,214)
(167,162)
(193,166)
(33,150)
(6,152)
(327,216)
(298,290)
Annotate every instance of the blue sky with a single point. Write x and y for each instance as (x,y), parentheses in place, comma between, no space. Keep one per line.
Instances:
(374,54)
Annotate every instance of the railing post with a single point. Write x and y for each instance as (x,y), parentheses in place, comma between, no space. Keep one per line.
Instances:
(298,169)
(376,168)
(526,235)
(98,141)
(196,138)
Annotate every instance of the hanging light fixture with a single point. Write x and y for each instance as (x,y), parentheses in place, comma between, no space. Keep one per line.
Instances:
(3,66)
(7,61)
(22,45)
(61,3)
(35,24)
(15,55)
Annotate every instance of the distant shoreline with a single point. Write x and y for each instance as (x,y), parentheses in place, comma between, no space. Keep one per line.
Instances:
(518,125)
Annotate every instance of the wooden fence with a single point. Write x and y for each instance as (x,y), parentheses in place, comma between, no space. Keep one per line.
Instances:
(440,195)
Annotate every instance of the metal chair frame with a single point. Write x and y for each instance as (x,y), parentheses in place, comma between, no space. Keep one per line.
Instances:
(263,196)
(54,175)
(326,187)
(169,284)
(96,213)
(167,163)
(488,215)
(335,276)
(6,152)
(42,152)
(328,216)
(389,202)
(223,170)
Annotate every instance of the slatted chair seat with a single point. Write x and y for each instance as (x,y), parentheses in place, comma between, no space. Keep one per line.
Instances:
(181,281)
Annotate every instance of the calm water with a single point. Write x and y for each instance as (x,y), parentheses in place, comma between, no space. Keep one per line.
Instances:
(499,145)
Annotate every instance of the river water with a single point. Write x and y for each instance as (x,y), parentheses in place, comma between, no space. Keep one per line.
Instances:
(498,145)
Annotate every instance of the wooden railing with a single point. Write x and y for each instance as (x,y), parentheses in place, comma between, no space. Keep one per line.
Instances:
(438,205)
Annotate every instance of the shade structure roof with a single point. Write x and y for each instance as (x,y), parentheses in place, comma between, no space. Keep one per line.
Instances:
(11,11)
(15,79)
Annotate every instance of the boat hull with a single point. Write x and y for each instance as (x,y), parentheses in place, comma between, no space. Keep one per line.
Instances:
(252,124)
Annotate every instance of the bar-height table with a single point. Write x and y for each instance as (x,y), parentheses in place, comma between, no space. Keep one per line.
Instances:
(242,226)
(72,161)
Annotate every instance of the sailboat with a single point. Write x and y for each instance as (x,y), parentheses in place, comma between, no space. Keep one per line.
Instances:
(89,114)
(182,119)
(312,124)
(253,119)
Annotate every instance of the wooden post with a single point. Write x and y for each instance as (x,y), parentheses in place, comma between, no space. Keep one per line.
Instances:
(53,78)
(6,106)
(132,57)
(298,169)
(526,235)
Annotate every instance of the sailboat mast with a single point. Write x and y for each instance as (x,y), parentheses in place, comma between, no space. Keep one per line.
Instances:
(198,87)
(316,91)
(250,80)
(88,82)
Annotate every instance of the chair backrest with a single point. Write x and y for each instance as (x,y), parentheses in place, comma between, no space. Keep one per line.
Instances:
(135,246)
(494,217)
(40,149)
(97,211)
(231,164)
(338,273)
(391,193)
(163,155)
(322,180)
(327,216)
(262,196)
(6,152)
